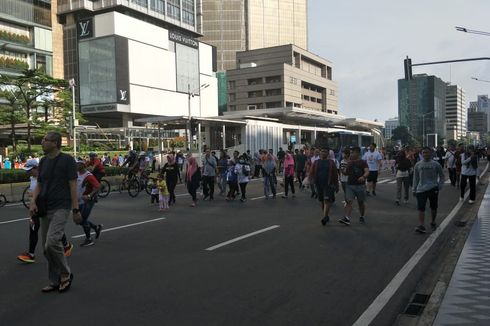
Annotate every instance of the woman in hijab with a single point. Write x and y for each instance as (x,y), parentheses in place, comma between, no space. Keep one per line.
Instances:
(171,172)
(288,174)
(192,178)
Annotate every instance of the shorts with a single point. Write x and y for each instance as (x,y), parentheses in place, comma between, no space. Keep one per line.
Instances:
(355,191)
(422,197)
(373,176)
(325,193)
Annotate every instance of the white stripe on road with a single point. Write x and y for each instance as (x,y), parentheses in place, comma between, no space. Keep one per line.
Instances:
(12,205)
(242,237)
(391,182)
(255,198)
(13,221)
(384,181)
(385,296)
(121,227)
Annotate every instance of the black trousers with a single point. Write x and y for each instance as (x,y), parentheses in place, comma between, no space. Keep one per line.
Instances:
(452,175)
(171,184)
(233,187)
(208,186)
(289,182)
(243,189)
(472,181)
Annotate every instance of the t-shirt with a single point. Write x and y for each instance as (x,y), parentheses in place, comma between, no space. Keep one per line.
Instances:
(372,159)
(86,182)
(58,194)
(209,166)
(33,184)
(322,169)
(171,172)
(354,170)
(343,167)
(300,162)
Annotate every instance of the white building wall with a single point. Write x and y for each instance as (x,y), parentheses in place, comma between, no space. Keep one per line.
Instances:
(43,39)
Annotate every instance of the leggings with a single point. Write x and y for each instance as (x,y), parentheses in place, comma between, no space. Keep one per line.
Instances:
(289,182)
(472,180)
(243,189)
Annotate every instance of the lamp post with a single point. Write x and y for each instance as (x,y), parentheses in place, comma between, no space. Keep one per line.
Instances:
(189,117)
(72,85)
(423,124)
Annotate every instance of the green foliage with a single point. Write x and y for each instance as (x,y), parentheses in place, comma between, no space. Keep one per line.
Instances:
(14,37)
(11,63)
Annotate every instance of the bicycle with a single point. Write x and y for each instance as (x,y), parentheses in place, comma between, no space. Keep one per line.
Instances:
(132,185)
(3,200)
(105,188)
(26,197)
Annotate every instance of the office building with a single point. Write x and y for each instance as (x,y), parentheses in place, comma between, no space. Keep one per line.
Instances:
(137,58)
(455,112)
(390,125)
(26,36)
(478,121)
(422,105)
(240,25)
(282,76)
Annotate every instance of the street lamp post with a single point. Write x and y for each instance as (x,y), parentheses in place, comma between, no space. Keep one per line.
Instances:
(423,124)
(72,85)
(189,117)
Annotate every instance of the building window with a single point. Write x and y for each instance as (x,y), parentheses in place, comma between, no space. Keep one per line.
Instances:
(255,94)
(232,108)
(143,3)
(231,84)
(273,79)
(271,105)
(329,73)
(254,81)
(158,6)
(231,97)
(332,92)
(173,9)
(273,92)
(188,12)
(293,80)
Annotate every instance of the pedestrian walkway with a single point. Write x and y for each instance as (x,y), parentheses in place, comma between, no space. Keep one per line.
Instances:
(467,299)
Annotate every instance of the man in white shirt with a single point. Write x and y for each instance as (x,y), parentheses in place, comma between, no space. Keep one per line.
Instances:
(373,159)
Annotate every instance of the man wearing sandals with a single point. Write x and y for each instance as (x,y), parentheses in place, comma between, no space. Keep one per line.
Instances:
(57,192)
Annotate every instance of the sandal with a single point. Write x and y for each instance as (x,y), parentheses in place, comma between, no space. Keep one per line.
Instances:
(65,285)
(50,288)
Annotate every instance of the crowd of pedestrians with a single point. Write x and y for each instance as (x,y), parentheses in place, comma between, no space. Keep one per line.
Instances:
(62,186)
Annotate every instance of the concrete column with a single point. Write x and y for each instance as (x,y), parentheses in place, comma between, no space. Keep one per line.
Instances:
(199,141)
(224,136)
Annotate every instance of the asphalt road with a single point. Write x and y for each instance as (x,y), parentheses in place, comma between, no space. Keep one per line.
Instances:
(295,272)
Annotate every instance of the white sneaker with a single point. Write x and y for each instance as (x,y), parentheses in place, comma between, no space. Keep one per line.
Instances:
(471,201)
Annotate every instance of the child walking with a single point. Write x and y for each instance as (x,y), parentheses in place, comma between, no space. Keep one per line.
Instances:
(154,193)
(164,194)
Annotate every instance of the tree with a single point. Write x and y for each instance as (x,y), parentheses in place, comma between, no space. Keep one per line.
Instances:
(11,114)
(34,88)
(402,134)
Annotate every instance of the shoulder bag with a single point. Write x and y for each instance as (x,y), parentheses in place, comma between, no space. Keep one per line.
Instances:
(42,201)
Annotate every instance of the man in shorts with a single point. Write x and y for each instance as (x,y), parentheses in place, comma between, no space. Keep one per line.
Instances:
(357,171)
(428,179)
(373,159)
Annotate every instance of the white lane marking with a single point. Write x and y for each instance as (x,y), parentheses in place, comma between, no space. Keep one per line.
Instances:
(384,297)
(242,237)
(256,198)
(384,181)
(12,205)
(121,227)
(391,182)
(13,221)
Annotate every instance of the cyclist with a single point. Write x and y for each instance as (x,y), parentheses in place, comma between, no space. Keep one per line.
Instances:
(132,162)
(95,166)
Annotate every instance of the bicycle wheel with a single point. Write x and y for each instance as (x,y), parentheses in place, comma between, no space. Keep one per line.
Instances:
(148,186)
(133,187)
(105,188)
(3,200)
(26,198)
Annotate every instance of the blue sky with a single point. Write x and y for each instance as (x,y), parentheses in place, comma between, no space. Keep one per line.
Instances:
(368,40)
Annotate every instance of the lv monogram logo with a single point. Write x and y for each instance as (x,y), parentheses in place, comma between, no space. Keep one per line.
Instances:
(123,94)
(84,31)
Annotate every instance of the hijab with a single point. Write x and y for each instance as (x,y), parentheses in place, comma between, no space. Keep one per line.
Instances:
(170,159)
(191,168)
(289,160)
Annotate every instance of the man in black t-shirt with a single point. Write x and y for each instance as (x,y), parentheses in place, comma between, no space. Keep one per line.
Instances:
(57,190)
(357,171)
(325,177)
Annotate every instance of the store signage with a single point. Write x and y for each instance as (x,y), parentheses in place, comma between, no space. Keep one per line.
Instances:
(85,28)
(99,108)
(123,96)
(183,39)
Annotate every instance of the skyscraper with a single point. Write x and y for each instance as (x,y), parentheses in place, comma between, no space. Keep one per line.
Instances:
(455,112)
(240,25)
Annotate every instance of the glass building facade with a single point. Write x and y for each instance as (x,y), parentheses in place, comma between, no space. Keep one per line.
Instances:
(239,25)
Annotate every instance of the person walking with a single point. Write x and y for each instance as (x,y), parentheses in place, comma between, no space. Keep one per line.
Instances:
(209,165)
(54,195)
(451,164)
(171,172)
(469,172)
(428,180)
(232,179)
(324,175)
(87,187)
(300,167)
(373,159)
(343,171)
(222,171)
(357,172)
(288,174)
(163,192)
(403,166)
(268,169)
(242,169)
(192,178)
(29,256)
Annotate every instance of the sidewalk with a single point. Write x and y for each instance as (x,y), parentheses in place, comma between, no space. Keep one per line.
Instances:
(467,298)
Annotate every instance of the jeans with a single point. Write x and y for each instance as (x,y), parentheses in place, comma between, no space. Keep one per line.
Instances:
(52,230)
(405,181)
(269,185)
(452,175)
(243,189)
(208,186)
(472,180)
(222,184)
(85,210)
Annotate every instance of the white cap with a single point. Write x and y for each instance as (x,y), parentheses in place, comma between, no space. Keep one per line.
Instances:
(31,164)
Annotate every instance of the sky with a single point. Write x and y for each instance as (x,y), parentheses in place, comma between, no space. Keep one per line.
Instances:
(367,40)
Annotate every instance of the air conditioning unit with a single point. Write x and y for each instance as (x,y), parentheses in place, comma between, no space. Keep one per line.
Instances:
(251,107)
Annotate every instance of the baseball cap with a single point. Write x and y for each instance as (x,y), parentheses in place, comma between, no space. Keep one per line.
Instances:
(31,164)
(79,160)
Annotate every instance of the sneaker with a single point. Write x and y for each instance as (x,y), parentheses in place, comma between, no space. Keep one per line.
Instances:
(420,229)
(87,243)
(397,203)
(284,196)
(362,220)
(344,220)
(325,220)
(98,229)
(471,201)
(433,226)
(26,257)
(67,250)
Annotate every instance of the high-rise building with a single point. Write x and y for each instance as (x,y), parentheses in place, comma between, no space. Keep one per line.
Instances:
(422,105)
(478,111)
(390,125)
(136,58)
(25,36)
(281,76)
(455,112)
(241,25)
